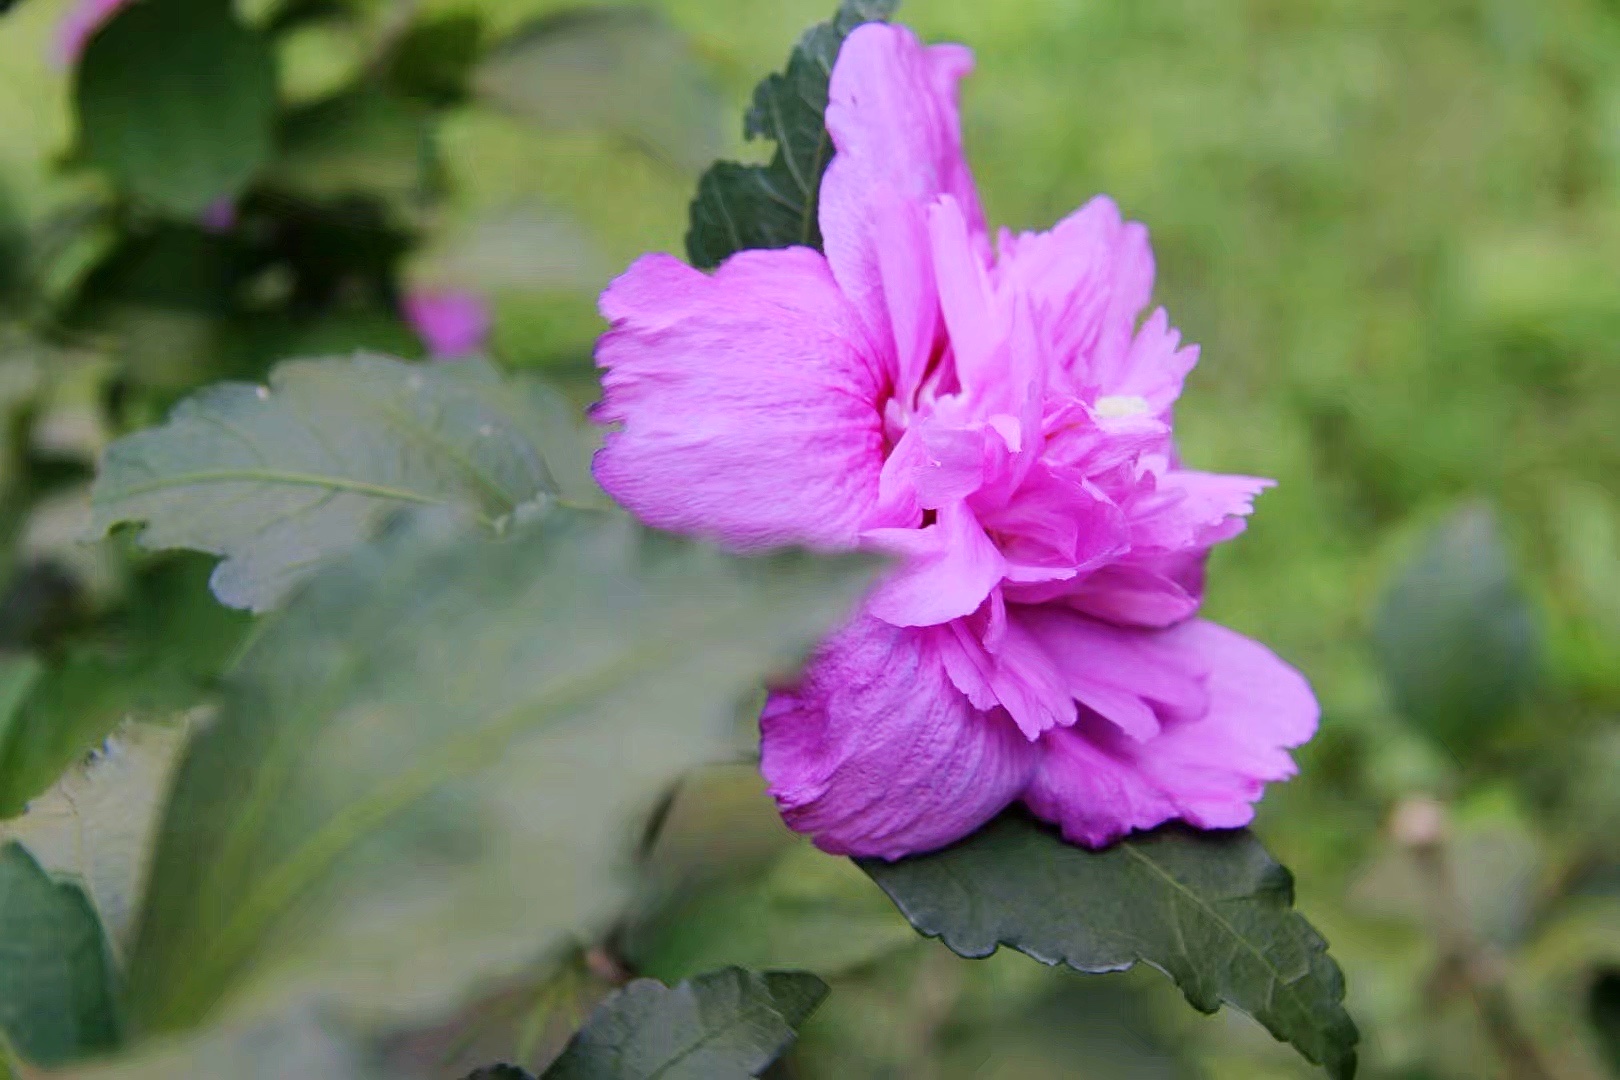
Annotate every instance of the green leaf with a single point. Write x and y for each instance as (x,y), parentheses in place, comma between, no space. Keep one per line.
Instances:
(623,70)
(176,100)
(154,660)
(57,998)
(282,479)
(1456,639)
(720,1026)
(96,824)
(434,762)
(18,674)
(775,205)
(1212,910)
(362,142)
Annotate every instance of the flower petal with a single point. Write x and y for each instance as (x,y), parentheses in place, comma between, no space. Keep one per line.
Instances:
(949,568)
(876,753)
(893,119)
(747,401)
(1098,783)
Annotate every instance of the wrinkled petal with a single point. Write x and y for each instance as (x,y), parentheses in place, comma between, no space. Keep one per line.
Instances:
(1192,509)
(893,119)
(1089,278)
(876,753)
(747,401)
(1098,783)
(947,570)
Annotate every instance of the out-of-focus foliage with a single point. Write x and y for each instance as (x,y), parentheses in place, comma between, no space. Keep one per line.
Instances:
(1392,228)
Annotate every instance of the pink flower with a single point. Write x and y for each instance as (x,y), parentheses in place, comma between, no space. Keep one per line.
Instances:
(998,417)
(79,25)
(449,323)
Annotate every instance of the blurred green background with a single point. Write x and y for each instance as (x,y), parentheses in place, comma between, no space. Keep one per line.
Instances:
(1394,229)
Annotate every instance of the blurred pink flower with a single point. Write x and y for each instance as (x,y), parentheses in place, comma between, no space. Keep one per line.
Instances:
(219,216)
(997,415)
(79,25)
(449,323)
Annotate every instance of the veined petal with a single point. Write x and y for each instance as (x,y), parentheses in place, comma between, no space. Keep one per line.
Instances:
(746,401)
(877,753)
(893,119)
(1098,783)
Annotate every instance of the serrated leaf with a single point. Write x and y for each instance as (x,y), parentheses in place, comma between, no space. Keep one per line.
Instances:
(725,1025)
(1212,910)
(1455,637)
(624,70)
(775,205)
(58,999)
(280,480)
(433,763)
(176,100)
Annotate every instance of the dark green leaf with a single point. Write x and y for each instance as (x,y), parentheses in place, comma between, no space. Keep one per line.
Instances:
(499,1072)
(153,660)
(775,205)
(1603,1004)
(1456,639)
(18,674)
(433,60)
(1212,910)
(725,1025)
(57,999)
(279,480)
(434,762)
(619,69)
(362,142)
(176,100)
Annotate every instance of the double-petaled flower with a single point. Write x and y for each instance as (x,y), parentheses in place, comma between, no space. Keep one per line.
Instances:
(996,415)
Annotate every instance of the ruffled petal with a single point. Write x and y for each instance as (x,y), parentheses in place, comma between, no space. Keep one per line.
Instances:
(876,753)
(1098,783)
(1089,278)
(894,123)
(948,569)
(747,401)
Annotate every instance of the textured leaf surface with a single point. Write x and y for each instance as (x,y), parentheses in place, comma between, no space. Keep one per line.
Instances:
(726,1025)
(57,996)
(1212,910)
(620,69)
(436,759)
(176,100)
(1456,638)
(281,479)
(775,205)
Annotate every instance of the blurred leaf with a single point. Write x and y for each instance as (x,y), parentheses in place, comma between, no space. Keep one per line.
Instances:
(57,985)
(726,1025)
(1456,639)
(97,823)
(519,247)
(500,1072)
(618,69)
(18,674)
(154,660)
(1603,1003)
(362,142)
(432,764)
(433,60)
(175,100)
(299,1046)
(1212,910)
(775,205)
(730,885)
(279,480)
